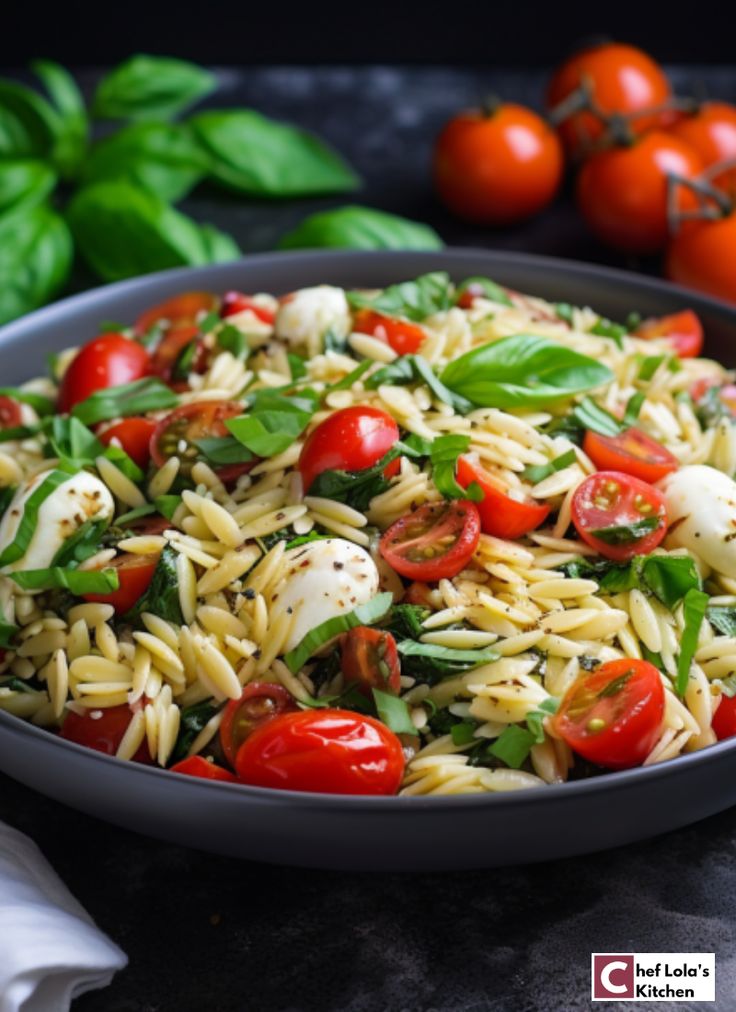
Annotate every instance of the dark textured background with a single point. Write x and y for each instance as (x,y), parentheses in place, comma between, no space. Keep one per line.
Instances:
(206,933)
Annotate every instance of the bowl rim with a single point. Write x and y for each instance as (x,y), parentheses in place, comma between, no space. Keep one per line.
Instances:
(437,260)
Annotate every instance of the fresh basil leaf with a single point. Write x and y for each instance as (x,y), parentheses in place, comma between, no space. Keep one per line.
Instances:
(413,300)
(633,409)
(218,246)
(397,373)
(6,497)
(394,712)
(523,371)
(565,312)
(463,660)
(535,473)
(694,606)
(649,365)
(136,398)
(162,596)
(27,526)
(19,432)
(163,158)
(354,488)
(406,621)
(78,582)
(35,259)
(443,455)
(365,614)
(463,732)
(7,633)
(193,720)
(272,423)
(593,417)
(535,718)
(626,534)
(513,746)
(298,368)
(40,404)
(606,328)
(231,339)
(28,124)
(167,505)
(71,440)
(123,230)
(670,577)
(24,182)
(722,619)
(484,287)
(258,156)
(81,545)
(151,87)
(72,132)
(222,450)
(185,361)
(425,373)
(360,228)
(135,514)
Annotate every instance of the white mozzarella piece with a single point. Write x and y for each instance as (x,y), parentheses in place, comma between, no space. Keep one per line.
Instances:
(701,513)
(322,579)
(73,502)
(309,313)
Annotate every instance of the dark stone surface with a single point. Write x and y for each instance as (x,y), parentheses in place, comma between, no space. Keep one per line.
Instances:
(205,932)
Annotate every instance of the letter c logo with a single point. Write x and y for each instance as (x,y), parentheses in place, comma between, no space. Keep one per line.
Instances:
(607,971)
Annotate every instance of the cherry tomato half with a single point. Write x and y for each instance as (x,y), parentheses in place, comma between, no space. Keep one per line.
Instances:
(171,346)
(176,433)
(198,766)
(702,255)
(134,435)
(500,514)
(180,311)
(331,751)
(405,338)
(102,730)
(724,719)
(236,302)
(347,440)
(622,192)
(369,659)
(106,361)
(260,702)
(135,573)
(613,716)
(10,412)
(631,451)
(434,542)
(498,166)
(619,515)
(682,330)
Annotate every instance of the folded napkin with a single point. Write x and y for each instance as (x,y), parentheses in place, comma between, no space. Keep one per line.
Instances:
(50,949)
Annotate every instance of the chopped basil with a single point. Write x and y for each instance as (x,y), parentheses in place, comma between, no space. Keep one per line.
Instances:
(649,365)
(535,718)
(162,596)
(167,505)
(193,720)
(354,488)
(406,621)
(132,515)
(229,338)
(400,372)
(7,632)
(468,659)
(297,366)
(723,619)
(463,733)
(222,450)
(40,404)
(415,368)
(185,361)
(694,607)
(487,288)
(595,418)
(273,422)
(365,614)
(668,577)
(77,447)
(606,328)
(633,409)
(27,526)
(535,473)
(352,377)
(513,746)
(19,432)
(81,545)
(136,398)
(443,455)
(91,581)
(626,534)
(394,712)
(6,497)
(413,300)
(565,312)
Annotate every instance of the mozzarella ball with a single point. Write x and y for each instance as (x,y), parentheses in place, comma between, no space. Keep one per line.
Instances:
(322,579)
(80,498)
(306,316)
(701,513)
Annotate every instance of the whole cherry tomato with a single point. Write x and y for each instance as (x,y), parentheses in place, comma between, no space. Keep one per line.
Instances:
(620,78)
(102,730)
(622,192)
(330,751)
(498,166)
(434,542)
(198,766)
(10,412)
(724,719)
(259,702)
(369,659)
(235,302)
(347,440)
(682,330)
(631,451)
(107,361)
(135,573)
(180,311)
(618,515)
(712,132)
(134,435)
(500,514)
(613,716)
(405,338)
(702,255)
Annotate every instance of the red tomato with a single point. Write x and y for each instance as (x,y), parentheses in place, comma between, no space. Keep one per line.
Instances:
(683,331)
(260,702)
(106,361)
(198,766)
(405,338)
(10,412)
(180,311)
(135,573)
(712,132)
(724,719)
(176,433)
(622,79)
(102,730)
(702,255)
(236,302)
(134,435)
(434,542)
(633,452)
(369,659)
(170,347)
(330,751)
(613,716)
(499,166)
(418,593)
(500,514)
(611,499)
(622,192)
(347,440)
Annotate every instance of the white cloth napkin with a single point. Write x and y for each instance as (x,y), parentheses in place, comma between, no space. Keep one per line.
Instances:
(50,948)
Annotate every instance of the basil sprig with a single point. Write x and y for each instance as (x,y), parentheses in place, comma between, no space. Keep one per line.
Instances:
(151,88)
(365,614)
(523,371)
(136,398)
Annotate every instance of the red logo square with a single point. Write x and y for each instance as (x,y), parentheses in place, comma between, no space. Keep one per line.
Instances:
(613,976)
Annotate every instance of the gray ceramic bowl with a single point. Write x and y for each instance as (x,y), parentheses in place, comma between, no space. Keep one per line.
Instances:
(325,831)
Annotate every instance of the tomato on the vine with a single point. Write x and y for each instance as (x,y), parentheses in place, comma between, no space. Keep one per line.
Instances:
(501,514)
(613,716)
(369,659)
(682,330)
(434,542)
(107,361)
(632,452)
(134,435)
(259,703)
(405,338)
(712,132)
(702,255)
(619,515)
(499,165)
(351,439)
